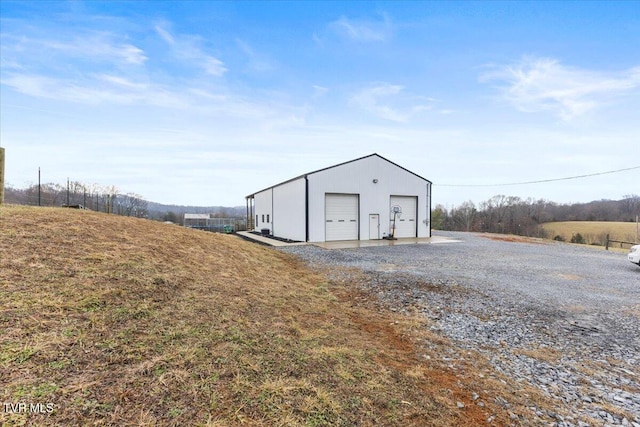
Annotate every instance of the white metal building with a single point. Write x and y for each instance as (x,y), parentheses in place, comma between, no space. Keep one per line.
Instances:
(354,200)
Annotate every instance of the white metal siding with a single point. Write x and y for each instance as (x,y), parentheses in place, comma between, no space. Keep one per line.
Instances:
(357,178)
(264,207)
(341,217)
(289,210)
(406,224)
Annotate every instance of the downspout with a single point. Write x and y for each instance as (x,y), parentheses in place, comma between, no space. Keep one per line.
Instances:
(429,207)
(306,207)
(246,202)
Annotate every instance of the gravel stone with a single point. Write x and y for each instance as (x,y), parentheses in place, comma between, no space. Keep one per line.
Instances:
(571,312)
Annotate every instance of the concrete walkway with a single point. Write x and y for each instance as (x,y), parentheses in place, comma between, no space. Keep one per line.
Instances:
(267,240)
(347,244)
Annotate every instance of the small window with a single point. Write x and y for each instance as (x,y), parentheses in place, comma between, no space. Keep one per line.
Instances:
(267,218)
(256,220)
(262,217)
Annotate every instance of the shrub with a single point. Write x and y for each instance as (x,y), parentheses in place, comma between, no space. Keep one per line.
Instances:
(577,238)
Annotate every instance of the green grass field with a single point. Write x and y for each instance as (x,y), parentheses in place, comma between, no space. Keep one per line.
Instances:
(593,232)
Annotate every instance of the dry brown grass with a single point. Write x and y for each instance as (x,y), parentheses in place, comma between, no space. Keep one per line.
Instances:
(121,321)
(545,354)
(594,232)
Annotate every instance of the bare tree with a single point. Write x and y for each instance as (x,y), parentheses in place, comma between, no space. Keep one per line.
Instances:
(630,205)
(465,215)
(132,204)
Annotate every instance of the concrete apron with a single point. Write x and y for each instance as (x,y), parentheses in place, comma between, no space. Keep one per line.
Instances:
(347,244)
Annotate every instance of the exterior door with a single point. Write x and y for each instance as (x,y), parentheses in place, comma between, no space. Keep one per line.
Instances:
(374,226)
(341,217)
(406,224)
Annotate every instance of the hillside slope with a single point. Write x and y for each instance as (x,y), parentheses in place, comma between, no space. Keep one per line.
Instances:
(109,320)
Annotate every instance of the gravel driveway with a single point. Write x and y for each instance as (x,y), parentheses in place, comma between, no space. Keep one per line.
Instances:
(578,303)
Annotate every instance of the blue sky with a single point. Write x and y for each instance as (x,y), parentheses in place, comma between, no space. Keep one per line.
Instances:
(202,103)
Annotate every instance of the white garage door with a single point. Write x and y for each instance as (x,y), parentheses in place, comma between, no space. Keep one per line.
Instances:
(406,223)
(341,216)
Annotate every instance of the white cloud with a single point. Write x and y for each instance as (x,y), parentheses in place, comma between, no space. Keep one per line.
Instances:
(370,99)
(195,97)
(92,67)
(91,45)
(93,90)
(188,48)
(29,85)
(319,91)
(544,84)
(257,62)
(389,102)
(121,81)
(133,55)
(165,35)
(363,31)
(214,66)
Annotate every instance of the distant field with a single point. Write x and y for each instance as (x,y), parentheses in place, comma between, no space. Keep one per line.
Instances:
(593,232)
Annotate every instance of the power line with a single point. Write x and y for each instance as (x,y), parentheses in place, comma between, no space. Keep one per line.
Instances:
(539,181)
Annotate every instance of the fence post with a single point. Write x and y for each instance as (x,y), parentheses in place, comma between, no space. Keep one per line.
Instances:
(1,175)
(606,246)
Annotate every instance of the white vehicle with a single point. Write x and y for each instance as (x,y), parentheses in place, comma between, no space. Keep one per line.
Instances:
(634,254)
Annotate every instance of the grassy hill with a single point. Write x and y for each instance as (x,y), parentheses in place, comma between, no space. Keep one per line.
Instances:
(594,232)
(108,320)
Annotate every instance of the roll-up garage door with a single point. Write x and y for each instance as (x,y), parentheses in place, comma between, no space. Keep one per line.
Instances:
(341,216)
(406,222)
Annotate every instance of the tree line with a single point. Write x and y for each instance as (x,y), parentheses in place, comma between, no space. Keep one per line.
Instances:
(110,200)
(90,196)
(499,214)
(514,215)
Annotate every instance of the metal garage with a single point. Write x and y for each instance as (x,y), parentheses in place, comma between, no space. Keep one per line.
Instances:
(353,200)
(406,224)
(341,217)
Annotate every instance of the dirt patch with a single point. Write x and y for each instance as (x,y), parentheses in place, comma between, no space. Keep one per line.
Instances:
(514,239)
(633,311)
(408,337)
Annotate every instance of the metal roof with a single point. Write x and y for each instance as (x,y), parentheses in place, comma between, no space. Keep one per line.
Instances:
(196,216)
(334,166)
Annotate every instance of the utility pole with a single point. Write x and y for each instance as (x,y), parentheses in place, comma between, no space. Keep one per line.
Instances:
(67,191)
(39,199)
(1,175)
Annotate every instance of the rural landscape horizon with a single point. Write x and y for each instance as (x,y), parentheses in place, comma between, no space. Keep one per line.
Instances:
(319,213)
